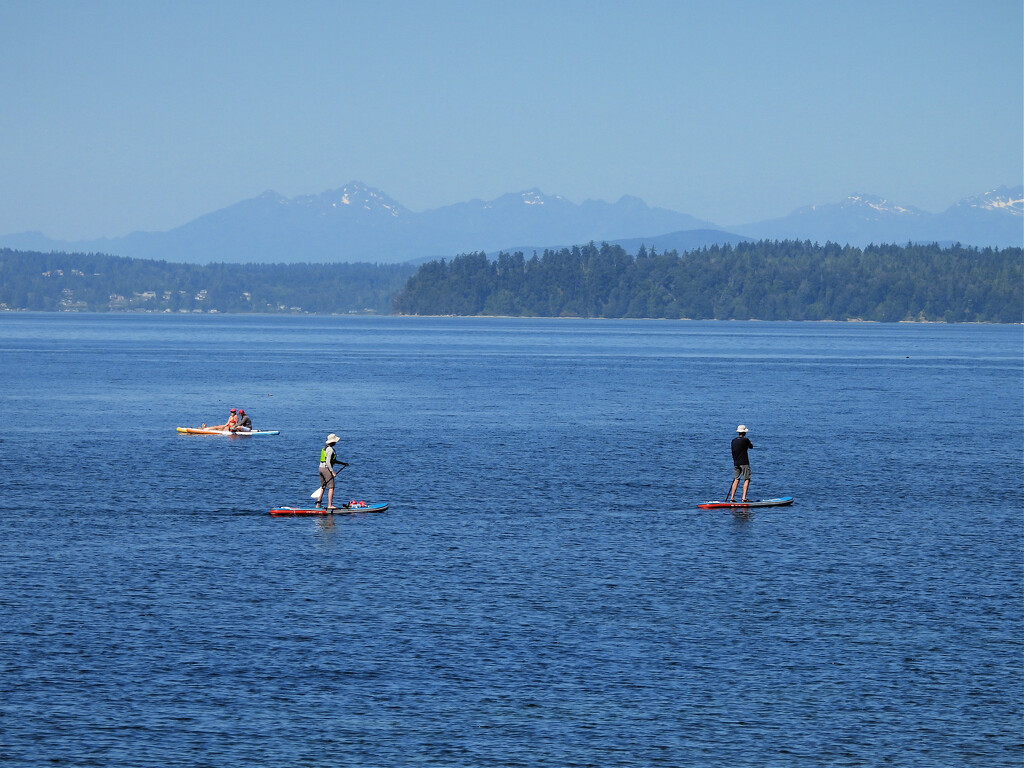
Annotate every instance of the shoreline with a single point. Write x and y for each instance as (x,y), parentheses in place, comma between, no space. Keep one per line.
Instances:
(216,313)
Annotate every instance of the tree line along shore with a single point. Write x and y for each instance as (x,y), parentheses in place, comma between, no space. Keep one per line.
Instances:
(766,280)
(94,282)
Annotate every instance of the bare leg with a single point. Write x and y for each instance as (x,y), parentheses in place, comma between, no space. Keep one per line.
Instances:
(746,484)
(732,491)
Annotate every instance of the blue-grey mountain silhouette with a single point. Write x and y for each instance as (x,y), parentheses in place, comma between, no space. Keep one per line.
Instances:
(359,223)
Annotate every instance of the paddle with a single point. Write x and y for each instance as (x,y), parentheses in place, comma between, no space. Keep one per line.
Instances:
(319,492)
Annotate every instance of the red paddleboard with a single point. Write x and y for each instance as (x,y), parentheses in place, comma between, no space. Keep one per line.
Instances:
(345,509)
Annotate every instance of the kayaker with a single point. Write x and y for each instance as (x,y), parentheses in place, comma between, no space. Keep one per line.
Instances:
(244,423)
(230,422)
(328,458)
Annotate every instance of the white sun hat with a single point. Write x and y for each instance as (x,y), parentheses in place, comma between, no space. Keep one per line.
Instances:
(332,438)
(741,428)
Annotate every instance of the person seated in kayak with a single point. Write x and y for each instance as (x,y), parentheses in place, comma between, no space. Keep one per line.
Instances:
(244,423)
(328,458)
(230,424)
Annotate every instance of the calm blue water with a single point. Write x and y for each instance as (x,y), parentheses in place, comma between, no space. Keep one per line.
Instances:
(543,590)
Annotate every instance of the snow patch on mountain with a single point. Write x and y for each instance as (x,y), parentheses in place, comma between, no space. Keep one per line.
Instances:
(1001,199)
(868,207)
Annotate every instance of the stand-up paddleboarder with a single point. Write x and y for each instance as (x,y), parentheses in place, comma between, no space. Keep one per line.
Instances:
(328,458)
(741,464)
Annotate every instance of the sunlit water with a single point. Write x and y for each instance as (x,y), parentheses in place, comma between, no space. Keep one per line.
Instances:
(543,590)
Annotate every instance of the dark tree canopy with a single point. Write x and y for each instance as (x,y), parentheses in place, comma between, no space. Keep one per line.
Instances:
(767,280)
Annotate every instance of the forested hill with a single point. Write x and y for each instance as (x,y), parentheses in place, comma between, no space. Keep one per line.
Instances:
(766,280)
(102,283)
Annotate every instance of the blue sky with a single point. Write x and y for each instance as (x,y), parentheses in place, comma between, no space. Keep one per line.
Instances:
(136,115)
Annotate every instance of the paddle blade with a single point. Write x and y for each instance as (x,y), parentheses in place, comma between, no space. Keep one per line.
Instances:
(317,493)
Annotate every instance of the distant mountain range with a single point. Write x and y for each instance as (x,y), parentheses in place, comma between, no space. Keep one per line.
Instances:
(995,218)
(357,223)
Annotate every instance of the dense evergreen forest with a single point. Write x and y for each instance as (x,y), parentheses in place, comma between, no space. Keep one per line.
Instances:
(102,283)
(767,280)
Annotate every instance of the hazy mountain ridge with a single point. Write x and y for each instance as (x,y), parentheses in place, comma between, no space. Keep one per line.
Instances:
(357,223)
(995,218)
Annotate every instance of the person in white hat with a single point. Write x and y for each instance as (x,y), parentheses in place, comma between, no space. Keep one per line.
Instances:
(328,458)
(741,464)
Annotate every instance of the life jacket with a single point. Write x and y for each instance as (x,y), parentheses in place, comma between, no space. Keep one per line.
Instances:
(323,456)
